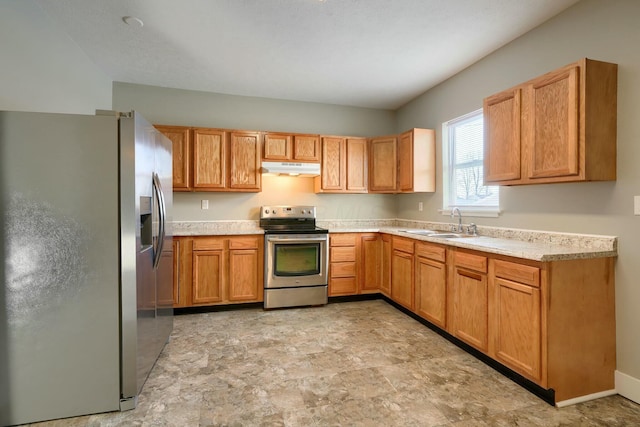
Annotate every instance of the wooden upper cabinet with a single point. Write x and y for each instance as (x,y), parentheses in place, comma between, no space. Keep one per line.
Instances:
(383,160)
(502,136)
(244,161)
(180,137)
(417,161)
(277,146)
(291,147)
(344,165)
(306,148)
(209,159)
(559,127)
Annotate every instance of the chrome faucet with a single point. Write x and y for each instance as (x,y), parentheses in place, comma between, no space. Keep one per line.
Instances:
(453,214)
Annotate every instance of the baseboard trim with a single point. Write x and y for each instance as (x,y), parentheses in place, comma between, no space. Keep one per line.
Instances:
(628,386)
(586,398)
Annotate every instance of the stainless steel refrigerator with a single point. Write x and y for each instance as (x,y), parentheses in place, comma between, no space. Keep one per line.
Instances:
(86,301)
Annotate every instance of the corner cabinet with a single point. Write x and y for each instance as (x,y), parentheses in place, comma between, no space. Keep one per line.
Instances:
(417,161)
(559,127)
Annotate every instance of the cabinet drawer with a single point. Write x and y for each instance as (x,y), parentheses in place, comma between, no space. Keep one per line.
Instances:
(470,261)
(341,254)
(342,239)
(403,245)
(433,252)
(245,242)
(208,244)
(343,286)
(524,274)
(343,269)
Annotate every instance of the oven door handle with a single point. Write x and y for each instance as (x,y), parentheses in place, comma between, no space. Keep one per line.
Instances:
(296,240)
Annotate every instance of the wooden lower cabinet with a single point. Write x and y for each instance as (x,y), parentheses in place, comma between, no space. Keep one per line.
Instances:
(470,296)
(385,279)
(354,263)
(431,283)
(515,306)
(218,270)
(402,271)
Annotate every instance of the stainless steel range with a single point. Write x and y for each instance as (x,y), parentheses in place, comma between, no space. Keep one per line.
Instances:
(296,257)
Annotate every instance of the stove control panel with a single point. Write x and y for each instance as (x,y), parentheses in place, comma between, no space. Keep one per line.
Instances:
(287,212)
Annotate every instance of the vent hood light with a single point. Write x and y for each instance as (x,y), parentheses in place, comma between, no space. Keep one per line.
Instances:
(302,170)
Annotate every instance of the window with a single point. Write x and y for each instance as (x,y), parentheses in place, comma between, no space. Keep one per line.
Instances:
(463,180)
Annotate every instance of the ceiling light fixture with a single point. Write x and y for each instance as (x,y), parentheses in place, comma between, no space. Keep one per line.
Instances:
(133,21)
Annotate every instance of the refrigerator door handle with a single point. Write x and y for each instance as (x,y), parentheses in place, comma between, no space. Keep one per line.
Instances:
(157,188)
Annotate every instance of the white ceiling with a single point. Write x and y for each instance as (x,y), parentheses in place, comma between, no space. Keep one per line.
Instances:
(367,53)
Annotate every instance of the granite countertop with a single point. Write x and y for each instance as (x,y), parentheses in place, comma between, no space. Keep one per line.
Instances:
(526,244)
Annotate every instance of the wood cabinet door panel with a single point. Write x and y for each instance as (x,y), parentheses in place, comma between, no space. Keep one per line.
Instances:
(180,137)
(209,158)
(306,148)
(333,164)
(405,162)
(371,273)
(277,146)
(385,277)
(470,308)
(383,165)
(431,291)
(554,124)
(244,161)
(518,328)
(244,275)
(208,277)
(356,155)
(502,135)
(402,279)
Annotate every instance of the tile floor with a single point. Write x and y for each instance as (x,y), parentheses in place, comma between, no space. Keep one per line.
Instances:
(347,364)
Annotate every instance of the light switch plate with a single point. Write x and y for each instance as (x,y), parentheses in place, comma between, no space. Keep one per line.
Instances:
(636,205)
(420,206)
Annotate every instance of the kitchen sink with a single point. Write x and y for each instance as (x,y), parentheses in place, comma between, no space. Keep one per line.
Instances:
(438,234)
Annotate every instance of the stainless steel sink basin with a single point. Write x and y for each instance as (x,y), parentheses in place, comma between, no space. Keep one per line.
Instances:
(422,232)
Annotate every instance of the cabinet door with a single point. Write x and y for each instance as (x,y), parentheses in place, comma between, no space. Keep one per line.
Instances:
(181,143)
(470,307)
(431,290)
(553,124)
(306,148)
(277,146)
(209,159)
(405,162)
(244,161)
(371,272)
(502,136)
(244,284)
(356,159)
(333,164)
(385,279)
(383,165)
(518,328)
(208,276)
(182,271)
(402,278)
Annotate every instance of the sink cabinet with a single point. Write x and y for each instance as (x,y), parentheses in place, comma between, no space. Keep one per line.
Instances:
(559,127)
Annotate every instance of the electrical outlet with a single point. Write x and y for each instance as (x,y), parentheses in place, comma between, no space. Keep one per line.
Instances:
(204,204)
(420,206)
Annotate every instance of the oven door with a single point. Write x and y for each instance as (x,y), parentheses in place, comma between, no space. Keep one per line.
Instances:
(295,260)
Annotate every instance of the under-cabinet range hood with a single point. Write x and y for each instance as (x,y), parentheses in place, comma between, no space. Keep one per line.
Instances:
(291,169)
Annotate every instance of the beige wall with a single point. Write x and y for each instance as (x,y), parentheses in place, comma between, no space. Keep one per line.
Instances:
(42,68)
(192,108)
(597,29)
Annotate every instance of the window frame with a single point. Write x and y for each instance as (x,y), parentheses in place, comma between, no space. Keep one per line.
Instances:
(448,171)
